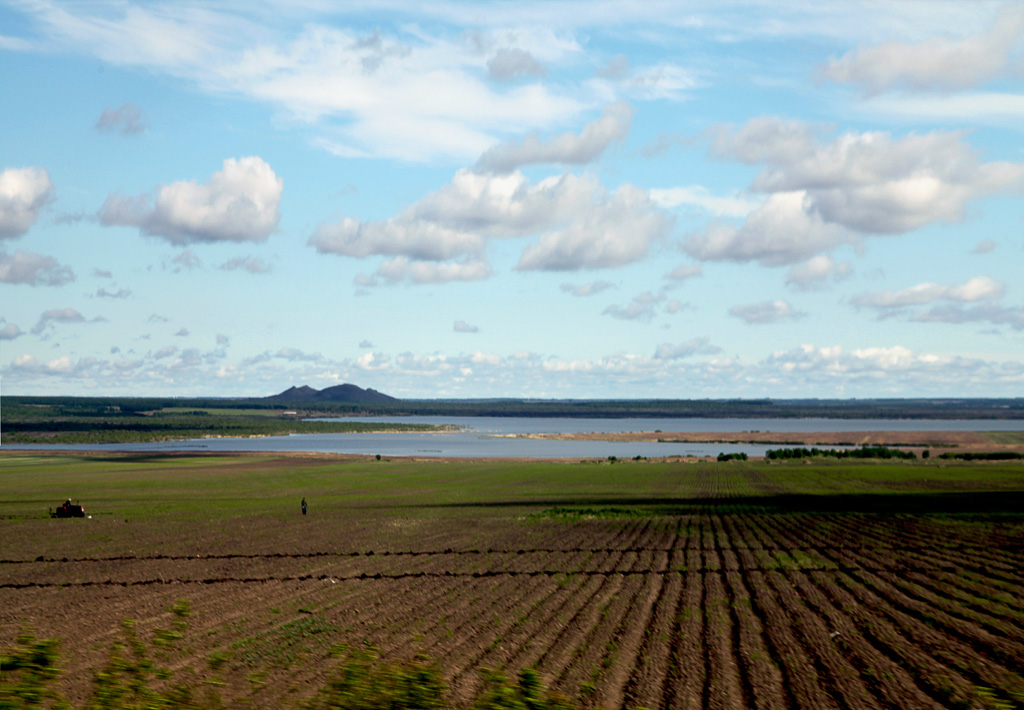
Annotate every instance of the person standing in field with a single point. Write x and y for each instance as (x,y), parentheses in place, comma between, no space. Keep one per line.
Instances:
(303,506)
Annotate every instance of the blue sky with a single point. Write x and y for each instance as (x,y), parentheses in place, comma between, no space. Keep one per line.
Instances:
(526,199)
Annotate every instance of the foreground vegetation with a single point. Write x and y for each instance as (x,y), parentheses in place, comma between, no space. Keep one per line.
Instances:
(137,676)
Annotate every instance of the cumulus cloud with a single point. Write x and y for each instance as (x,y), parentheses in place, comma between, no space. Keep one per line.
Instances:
(24,192)
(983,313)
(685,272)
(822,194)
(642,308)
(590,289)
(405,235)
(581,226)
(23,267)
(618,229)
(165,352)
(783,231)
(766,312)
(814,272)
(566,149)
(57,315)
(969,302)
(239,203)
(462,326)
(10,331)
(689,348)
(979,288)
(939,63)
(126,119)
(429,272)
(511,63)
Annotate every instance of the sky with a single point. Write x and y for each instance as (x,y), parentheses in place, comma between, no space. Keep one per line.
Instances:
(558,199)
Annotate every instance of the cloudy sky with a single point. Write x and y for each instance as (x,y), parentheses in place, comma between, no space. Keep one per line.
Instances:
(533,199)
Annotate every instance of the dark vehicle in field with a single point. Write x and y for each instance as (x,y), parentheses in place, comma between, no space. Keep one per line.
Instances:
(69,510)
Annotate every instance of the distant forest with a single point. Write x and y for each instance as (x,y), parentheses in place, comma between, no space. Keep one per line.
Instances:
(1011,408)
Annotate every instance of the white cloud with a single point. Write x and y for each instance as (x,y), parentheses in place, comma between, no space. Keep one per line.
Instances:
(939,63)
(816,270)
(685,272)
(57,315)
(566,149)
(694,346)
(783,231)
(876,370)
(824,194)
(10,331)
(983,313)
(766,312)
(589,289)
(979,288)
(616,230)
(24,192)
(239,203)
(462,326)
(165,352)
(510,63)
(641,308)
(582,226)
(23,267)
(405,235)
(126,119)
(430,272)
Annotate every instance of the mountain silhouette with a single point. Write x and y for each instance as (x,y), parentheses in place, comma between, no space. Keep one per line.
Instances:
(339,393)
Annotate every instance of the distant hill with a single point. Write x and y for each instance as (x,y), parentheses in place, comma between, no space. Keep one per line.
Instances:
(339,393)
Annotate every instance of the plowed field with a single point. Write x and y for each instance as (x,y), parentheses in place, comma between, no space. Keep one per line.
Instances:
(638,584)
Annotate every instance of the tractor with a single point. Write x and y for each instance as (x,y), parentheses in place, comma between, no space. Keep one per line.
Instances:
(68,510)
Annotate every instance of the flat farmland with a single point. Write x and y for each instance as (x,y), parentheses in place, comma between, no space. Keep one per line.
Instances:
(689,584)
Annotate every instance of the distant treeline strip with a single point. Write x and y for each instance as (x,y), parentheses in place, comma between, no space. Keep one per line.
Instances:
(1007,408)
(863,452)
(984,456)
(93,428)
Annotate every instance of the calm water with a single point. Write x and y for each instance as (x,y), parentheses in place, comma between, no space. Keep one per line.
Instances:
(488,437)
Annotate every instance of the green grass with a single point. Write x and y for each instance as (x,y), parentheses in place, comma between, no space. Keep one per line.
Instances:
(194,487)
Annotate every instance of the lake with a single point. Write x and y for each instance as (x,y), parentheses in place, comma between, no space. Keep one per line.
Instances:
(483,437)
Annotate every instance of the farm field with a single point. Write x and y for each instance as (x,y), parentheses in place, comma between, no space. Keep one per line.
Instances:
(689,584)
